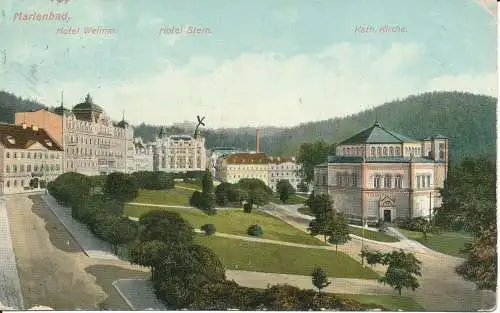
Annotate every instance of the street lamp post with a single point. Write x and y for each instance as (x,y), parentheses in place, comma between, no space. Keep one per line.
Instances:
(362,240)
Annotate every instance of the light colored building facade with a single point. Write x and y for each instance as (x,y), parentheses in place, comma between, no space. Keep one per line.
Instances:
(379,174)
(93,144)
(233,167)
(283,169)
(29,159)
(215,153)
(143,157)
(179,153)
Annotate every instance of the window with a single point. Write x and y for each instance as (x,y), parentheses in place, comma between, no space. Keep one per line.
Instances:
(376,181)
(428,181)
(339,179)
(28,168)
(418,181)
(391,151)
(385,151)
(441,151)
(324,179)
(7,155)
(398,153)
(22,155)
(344,151)
(354,180)
(14,168)
(7,168)
(387,181)
(8,183)
(372,151)
(397,182)
(21,168)
(29,155)
(379,151)
(15,155)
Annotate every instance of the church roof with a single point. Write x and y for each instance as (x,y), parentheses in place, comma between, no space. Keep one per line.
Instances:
(88,105)
(61,110)
(122,124)
(376,134)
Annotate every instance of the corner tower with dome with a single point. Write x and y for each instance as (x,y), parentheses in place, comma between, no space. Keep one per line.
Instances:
(93,144)
(380,174)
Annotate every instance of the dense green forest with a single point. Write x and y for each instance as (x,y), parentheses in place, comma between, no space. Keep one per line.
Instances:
(468,120)
(10,104)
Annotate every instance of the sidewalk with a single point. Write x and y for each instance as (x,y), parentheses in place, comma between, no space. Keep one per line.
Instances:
(92,246)
(11,296)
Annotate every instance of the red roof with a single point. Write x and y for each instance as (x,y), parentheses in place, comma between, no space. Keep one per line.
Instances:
(17,137)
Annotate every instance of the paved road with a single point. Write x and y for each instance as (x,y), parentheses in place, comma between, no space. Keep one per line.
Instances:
(441,288)
(53,269)
(10,287)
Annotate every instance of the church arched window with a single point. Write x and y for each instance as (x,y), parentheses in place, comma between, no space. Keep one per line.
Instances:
(398,153)
(391,151)
(385,151)
(379,151)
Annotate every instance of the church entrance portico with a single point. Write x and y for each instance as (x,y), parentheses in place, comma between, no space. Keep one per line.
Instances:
(387,209)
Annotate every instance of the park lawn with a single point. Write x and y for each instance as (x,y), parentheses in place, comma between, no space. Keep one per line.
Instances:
(238,254)
(389,302)
(446,242)
(174,196)
(372,235)
(193,185)
(236,222)
(293,199)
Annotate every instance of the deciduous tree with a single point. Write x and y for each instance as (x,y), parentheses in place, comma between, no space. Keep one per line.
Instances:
(285,190)
(320,278)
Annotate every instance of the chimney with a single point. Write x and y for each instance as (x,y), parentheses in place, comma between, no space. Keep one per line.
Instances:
(25,125)
(35,127)
(257,140)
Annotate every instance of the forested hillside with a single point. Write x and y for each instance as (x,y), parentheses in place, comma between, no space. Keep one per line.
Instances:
(10,104)
(468,120)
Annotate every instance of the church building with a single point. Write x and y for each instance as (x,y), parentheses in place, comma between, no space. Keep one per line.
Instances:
(380,174)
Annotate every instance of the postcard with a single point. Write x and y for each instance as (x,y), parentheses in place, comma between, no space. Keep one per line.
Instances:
(248,155)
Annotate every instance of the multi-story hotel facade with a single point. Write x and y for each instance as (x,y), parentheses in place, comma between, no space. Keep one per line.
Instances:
(143,157)
(233,167)
(283,169)
(179,153)
(92,143)
(29,159)
(379,174)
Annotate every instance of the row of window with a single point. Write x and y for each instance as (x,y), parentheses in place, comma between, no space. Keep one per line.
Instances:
(283,167)
(34,155)
(28,168)
(381,151)
(423,181)
(90,152)
(283,174)
(87,127)
(345,179)
(15,183)
(388,181)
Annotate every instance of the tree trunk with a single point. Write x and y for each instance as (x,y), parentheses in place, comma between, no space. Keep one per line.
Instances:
(336,248)
(425,236)
(325,238)
(399,290)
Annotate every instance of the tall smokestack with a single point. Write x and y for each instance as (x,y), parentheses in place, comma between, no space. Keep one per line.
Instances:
(257,141)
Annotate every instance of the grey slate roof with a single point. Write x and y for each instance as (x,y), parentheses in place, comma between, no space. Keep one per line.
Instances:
(376,134)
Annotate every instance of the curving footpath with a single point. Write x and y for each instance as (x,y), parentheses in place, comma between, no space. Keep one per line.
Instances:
(441,289)
(10,287)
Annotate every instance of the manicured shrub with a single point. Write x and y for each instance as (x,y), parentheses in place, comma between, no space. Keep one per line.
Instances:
(209,229)
(255,230)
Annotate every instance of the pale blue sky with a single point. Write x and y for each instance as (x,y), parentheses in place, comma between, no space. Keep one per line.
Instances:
(261,57)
